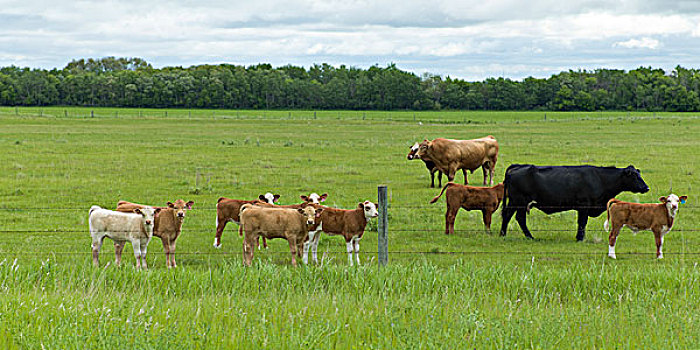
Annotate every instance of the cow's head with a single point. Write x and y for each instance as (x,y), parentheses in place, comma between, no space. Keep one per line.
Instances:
(671,203)
(314,198)
(423,149)
(369,208)
(310,213)
(147,215)
(413,153)
(269,198)
(180,207)
(632,180)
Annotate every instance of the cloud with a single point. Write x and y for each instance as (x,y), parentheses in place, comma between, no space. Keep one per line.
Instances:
(464,39)
(643,43)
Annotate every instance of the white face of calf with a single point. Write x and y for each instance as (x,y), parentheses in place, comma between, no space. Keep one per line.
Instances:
(147,215)
(314,198)
(269,198)
(672,202)
(310,214)
(370,209)
(414,152)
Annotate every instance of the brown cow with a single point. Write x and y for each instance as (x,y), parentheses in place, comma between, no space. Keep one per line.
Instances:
(486,199)
(656,217)
(168,225)
(428,164)
(228,209)
(452,155)
(290,224)
(348,223)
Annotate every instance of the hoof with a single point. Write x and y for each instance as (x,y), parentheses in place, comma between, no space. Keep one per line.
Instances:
(612,256)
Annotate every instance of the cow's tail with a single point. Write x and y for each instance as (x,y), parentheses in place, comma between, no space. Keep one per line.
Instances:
(606,224)
(441,192)
(506,184)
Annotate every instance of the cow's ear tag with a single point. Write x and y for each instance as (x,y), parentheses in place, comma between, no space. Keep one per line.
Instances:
(682,201)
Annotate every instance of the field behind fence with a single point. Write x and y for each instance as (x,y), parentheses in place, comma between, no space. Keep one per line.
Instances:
(472,289)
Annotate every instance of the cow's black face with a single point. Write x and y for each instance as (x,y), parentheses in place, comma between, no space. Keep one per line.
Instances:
(634,181)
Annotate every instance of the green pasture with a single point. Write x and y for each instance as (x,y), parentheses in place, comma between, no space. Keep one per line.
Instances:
(470,290)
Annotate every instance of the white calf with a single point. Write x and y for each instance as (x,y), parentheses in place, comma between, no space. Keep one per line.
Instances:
(136,228)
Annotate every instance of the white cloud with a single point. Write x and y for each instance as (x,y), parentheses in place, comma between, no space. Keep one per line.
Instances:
(643,43)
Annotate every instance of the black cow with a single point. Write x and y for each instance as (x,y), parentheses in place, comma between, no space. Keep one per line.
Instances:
(428,164)
(552,189)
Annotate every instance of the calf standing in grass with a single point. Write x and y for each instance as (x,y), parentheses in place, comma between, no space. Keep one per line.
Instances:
(290,224)
(658,218)
(348,223)
(486,199)
(228,209)
(136,227)
(167,227)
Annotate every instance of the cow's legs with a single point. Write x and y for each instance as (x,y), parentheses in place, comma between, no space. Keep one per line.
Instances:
(349,247)
(311,244)
(118,248)
(166,250)
(582,222)
(293,250)
(143,247)
(172,254)
(451,174)
(356,244)
(659,243)
(248,248)
(137,252)
(220,224)
(521,217)
(486,214)
(97,240)
(439,178)
(485,169)
(432,177)
(466,180)
(612,239)
(450,216)
(507,214)
(314,246)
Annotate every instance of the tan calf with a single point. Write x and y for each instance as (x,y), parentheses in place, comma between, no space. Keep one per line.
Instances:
(486,199)
(290,224)
(656,217)
(228,209)
(168,225)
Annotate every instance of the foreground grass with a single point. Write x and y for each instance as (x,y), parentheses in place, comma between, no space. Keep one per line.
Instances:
(467,290)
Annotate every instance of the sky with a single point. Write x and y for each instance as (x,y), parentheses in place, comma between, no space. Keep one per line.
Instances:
(471,40)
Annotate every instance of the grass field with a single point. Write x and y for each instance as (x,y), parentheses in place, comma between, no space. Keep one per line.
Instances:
(468,290)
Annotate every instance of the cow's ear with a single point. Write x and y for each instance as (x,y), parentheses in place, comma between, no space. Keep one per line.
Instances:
(376,205)
(138,211)
(662,199)
(323,197)
(318,212)
(276,198)
(156,211)
(262,198)
(189,204)
(304,198)
(361,205)
(301,211)
(683,199)
(171,205)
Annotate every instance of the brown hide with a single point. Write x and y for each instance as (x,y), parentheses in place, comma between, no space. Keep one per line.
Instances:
(348,223)
(449,156)
(486,199)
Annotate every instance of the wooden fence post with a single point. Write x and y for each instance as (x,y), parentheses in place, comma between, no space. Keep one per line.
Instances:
(382,229)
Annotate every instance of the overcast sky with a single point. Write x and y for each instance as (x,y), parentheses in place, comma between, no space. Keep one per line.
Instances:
(465,39)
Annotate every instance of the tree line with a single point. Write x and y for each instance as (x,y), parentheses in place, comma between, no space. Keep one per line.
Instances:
(133,82)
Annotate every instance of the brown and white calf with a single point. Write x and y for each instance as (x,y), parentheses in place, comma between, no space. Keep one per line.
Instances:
(486,199)
(167,227)
(136,227)
(228,209)
(347,223)
(656,217)
(413,154)
(290,224)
